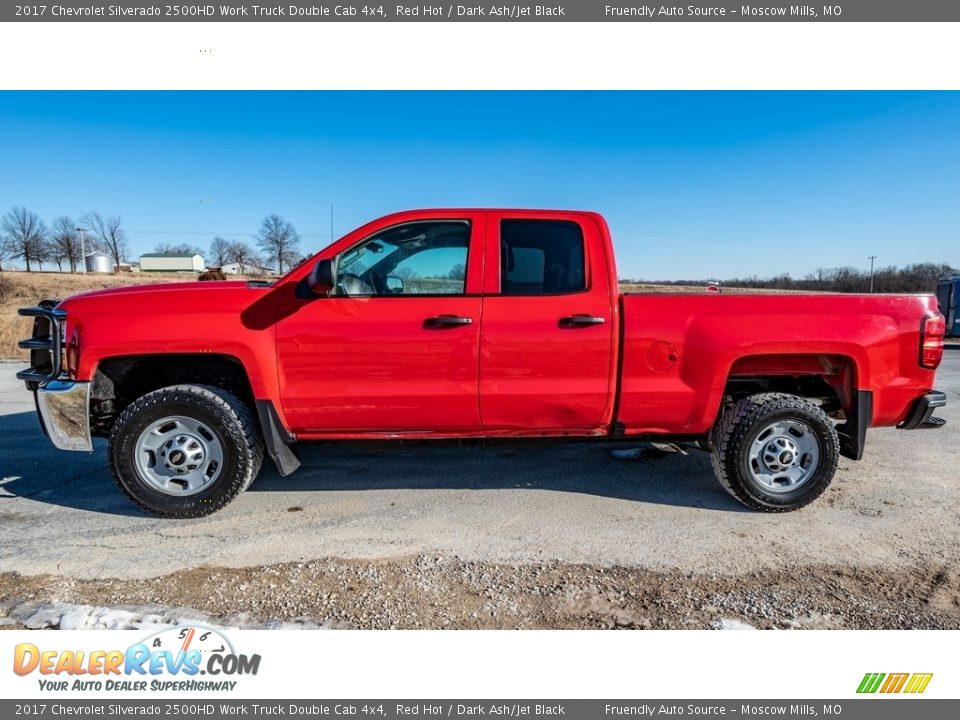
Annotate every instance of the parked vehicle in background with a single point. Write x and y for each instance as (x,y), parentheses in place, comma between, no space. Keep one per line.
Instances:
(948,295)
(473,325)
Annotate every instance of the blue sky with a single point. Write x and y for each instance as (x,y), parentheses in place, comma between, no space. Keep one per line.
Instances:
(694,184)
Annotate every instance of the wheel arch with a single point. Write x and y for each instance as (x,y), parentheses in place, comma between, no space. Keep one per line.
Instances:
(830,379)
(119,380)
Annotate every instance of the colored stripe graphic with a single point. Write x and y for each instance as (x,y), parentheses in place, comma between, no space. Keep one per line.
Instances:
(918,682)
(894,683)
(870,682)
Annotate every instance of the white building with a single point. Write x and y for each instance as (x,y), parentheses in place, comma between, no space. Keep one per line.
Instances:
(171,262)
(248,269)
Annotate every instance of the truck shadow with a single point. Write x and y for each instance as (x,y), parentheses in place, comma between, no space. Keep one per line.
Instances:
(640,474)
(30,468)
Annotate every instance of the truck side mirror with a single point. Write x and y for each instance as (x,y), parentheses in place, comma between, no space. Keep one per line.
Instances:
(395,284)
(322,279)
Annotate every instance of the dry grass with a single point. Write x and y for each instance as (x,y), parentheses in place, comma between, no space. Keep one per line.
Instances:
(701,290)
(19,289)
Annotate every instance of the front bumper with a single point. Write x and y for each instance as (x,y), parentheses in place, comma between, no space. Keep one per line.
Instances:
(921,414)
(64,409)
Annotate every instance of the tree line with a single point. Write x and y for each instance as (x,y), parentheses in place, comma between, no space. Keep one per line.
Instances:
(24,236)
(915,278)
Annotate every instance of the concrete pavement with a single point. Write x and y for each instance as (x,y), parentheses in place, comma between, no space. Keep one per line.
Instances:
(60,512)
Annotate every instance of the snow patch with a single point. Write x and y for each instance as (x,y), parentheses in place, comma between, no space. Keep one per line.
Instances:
(730,624)
(152,618)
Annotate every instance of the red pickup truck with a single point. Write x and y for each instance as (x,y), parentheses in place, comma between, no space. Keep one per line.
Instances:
(473,324)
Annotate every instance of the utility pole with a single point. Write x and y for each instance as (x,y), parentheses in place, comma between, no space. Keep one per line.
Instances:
(872,258)
(83,250)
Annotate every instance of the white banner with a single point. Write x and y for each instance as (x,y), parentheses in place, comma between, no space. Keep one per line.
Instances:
(408,664)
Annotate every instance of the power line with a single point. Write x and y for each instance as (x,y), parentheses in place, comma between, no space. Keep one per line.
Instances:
(213,233)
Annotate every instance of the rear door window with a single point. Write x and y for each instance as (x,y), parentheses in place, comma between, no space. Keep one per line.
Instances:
(541,257)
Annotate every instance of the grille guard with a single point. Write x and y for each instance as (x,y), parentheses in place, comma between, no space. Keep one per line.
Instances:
(45,345)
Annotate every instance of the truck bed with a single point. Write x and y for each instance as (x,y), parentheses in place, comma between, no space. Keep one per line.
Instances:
(679,350)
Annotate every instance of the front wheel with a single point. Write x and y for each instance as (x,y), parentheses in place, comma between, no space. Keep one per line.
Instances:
(186,450)
(775,452)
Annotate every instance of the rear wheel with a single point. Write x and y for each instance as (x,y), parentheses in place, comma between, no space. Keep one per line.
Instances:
(775,452)
(185,450)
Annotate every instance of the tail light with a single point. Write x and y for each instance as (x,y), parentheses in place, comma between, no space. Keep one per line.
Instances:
(932,329)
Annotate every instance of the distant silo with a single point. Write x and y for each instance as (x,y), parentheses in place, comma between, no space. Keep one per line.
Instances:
(99,262)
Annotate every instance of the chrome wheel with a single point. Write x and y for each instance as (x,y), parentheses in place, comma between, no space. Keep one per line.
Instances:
(178,455)
(784,456)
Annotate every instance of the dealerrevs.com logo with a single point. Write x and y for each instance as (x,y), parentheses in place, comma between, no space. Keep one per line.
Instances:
(172,659)
(911,683)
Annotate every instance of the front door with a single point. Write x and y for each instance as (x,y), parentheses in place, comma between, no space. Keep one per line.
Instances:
(395,348)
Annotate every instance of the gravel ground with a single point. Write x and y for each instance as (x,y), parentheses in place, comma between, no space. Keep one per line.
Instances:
(436,592)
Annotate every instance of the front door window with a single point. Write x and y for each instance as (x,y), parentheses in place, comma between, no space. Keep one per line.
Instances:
(419,258)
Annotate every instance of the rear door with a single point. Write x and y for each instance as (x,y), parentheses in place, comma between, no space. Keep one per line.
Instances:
(547,339)
(395,349)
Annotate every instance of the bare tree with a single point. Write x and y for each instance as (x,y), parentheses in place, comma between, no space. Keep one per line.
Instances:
(219,250)
(177,249)
(45,251)
(243,254)
(4,250)
(278,240)
(65,243)
(24,235)
(108,233)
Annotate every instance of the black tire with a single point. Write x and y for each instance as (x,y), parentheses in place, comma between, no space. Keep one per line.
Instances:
(227,417)
(740,426)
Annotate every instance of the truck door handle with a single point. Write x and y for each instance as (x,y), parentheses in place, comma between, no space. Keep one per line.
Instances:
(446,321)
(573,321)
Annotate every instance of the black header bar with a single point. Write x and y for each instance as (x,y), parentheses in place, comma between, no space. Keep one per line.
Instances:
(438,11)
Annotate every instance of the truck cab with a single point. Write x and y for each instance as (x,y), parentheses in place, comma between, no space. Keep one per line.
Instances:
(454,323)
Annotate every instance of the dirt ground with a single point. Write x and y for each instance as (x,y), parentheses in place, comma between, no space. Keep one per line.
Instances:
(437,592)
